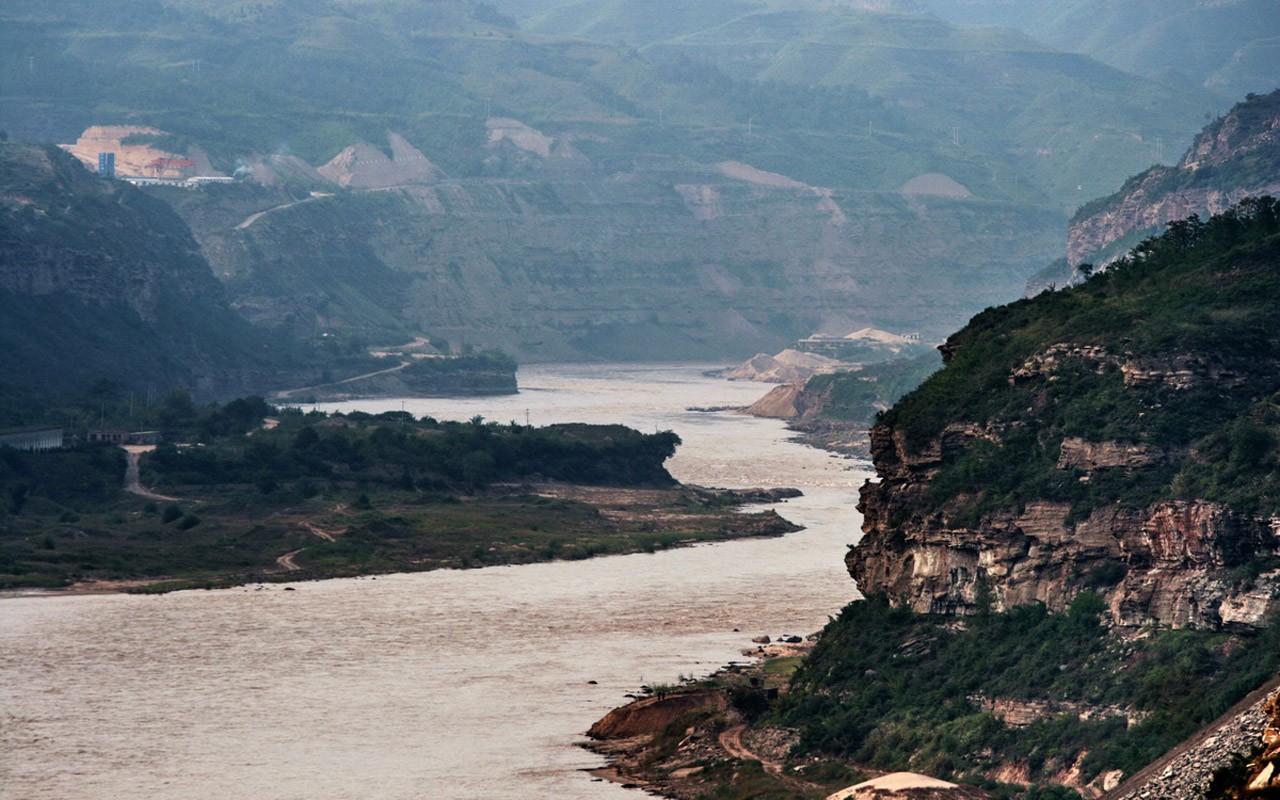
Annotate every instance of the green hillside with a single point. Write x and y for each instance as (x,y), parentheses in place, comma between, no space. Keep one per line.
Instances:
(1049,671)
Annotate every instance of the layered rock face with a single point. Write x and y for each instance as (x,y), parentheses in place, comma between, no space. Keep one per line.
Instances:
(1119,437)
(1168,563)
(1235,158)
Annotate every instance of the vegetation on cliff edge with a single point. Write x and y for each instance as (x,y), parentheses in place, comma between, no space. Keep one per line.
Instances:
(1172,348)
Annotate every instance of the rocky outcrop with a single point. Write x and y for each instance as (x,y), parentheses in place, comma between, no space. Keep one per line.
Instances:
(1236,157)
(651,714)
(1175,370)
(1021,713)
(1089,457)
(1168,563)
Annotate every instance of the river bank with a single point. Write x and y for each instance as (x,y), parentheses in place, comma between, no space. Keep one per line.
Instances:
(697,740)
(474,683)
(367,532)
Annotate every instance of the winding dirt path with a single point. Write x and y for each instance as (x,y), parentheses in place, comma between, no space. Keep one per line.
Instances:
(321,532)
(731,741)
(252,218)
(286,561)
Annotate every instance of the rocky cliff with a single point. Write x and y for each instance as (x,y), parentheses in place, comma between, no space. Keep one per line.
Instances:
(1238,156)
(99,281)
(1119,437)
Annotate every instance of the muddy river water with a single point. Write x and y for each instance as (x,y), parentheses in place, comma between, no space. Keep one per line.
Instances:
(452,684)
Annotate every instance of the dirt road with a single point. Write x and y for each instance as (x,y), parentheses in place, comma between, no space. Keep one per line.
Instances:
(731,742)
(132,482)
(287,562)
(290,392)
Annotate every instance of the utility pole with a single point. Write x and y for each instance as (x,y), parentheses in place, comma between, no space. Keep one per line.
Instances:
(749,121)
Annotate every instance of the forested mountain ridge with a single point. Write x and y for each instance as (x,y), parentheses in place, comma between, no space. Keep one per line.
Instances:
(580,199)
(1118,436)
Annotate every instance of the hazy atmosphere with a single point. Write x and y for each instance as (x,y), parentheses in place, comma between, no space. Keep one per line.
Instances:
(862,399)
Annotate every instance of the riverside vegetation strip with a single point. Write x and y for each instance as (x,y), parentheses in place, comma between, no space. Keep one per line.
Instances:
(348,495)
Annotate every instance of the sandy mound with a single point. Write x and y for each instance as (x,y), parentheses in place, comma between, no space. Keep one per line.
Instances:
(530,140)
(779,403)
(880,337)
(745,172)
(789,366)
(271,170)
(363,166)
(937,184)
(907,786)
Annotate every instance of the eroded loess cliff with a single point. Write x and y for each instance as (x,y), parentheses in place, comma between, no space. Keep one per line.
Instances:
(665,259)
(1119,437)
(1238,156)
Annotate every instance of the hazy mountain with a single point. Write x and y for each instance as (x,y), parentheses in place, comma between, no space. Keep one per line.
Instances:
(1230,46)
(1059,121)
(752,173)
